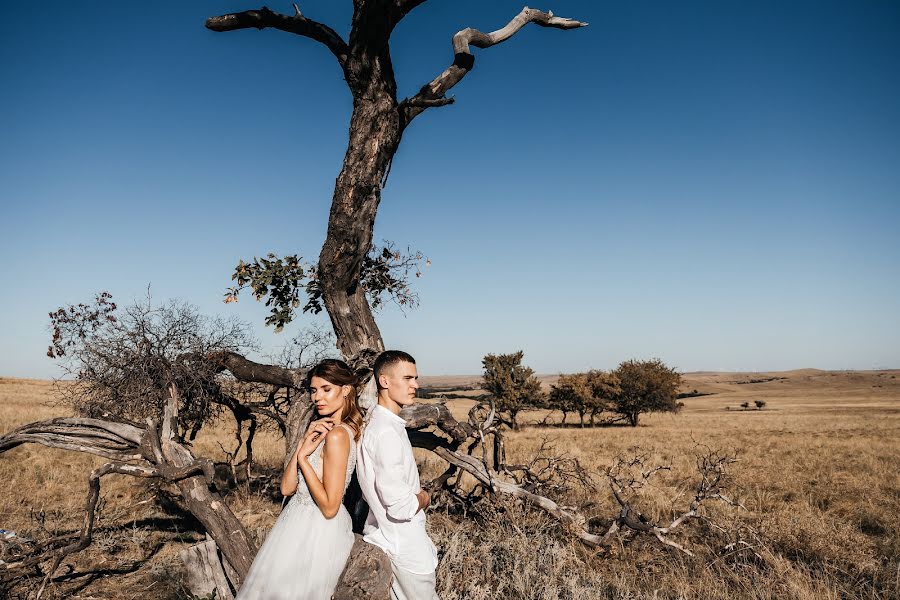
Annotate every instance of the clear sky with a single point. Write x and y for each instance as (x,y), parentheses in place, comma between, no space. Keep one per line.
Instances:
(715,183)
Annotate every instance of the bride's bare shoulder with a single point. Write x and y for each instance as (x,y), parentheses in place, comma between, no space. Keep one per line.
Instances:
(338,439)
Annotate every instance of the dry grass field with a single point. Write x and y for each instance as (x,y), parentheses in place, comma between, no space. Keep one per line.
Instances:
(818,476)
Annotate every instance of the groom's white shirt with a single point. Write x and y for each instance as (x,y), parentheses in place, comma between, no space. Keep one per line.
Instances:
(389,480)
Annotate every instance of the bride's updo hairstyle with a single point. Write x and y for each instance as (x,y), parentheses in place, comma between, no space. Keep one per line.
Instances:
(337,372)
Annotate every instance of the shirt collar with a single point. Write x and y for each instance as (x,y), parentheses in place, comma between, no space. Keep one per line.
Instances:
(387,414)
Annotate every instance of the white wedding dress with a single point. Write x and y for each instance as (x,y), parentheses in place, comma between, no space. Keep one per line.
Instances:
(305,553)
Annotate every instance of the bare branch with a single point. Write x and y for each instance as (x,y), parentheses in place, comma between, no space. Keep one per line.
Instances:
(418,416)
(672,544)
(117,441)
(433,94)
(476,468)
(404,7)
(247,370)
(429,102)
(152,457)
(298,24)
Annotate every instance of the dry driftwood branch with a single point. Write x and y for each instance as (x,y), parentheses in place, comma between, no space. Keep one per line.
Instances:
(249,371)
(205,571)
(546,468)
(712,466)
(116,441)
(434,92)
(139,453)
(297,23)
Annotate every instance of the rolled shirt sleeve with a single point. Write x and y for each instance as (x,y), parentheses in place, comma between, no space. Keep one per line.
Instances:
(395,492)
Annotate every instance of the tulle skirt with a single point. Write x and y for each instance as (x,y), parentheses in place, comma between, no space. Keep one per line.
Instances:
(302,557)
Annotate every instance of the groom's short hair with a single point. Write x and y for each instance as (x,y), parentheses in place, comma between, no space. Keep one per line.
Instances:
(388,359)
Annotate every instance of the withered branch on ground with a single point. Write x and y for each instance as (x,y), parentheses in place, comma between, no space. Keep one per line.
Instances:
(152,452)
(550,474)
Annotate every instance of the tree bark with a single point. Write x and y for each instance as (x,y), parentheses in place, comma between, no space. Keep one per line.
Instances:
(374,138)
(205,574)
(210,509)
(367,575)
(512,420)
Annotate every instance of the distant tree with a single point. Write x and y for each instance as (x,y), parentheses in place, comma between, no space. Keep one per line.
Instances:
(745,405)
(571,393)
(759,404)
(512,385)
(604,388)
(645,386)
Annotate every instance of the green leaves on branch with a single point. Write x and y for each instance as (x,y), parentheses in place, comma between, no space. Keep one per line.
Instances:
(286,281)
(279,281)
(385,273)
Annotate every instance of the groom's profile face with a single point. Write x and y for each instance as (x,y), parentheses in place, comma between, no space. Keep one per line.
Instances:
(401,380)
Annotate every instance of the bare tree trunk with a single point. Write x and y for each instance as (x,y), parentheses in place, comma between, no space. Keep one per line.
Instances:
(205,573)
(210,509)
(512,420)
(374,137)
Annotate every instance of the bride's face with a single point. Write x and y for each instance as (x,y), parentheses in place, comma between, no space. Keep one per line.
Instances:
(328,397)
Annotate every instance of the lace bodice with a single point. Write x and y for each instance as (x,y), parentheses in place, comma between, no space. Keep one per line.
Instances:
(302,496)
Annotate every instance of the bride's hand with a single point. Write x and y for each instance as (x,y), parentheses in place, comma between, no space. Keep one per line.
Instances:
(321,425)
(315,435)
(310,442)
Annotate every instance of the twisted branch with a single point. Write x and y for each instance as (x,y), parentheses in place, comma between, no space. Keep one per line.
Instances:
(297,23)
(151,452)
(434,93)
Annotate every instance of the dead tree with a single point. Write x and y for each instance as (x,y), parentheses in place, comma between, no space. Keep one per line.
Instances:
(377,124)
(339,284)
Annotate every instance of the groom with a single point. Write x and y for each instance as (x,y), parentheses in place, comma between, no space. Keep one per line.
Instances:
(390,484)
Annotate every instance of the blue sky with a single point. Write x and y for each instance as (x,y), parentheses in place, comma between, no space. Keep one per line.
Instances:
(713,183)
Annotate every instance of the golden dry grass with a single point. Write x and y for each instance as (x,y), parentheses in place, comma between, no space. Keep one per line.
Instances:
(818,475)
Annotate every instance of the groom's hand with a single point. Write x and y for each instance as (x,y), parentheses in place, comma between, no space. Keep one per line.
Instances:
(424,499)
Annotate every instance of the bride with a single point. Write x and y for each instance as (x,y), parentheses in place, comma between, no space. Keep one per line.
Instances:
(307,548)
